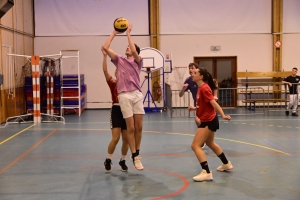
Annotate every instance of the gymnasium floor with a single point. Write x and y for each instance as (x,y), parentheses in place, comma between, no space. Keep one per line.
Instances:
(65,161)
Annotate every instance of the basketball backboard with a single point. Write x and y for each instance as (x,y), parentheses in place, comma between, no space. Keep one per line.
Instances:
(152,58)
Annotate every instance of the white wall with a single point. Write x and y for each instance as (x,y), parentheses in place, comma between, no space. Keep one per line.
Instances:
(290,51)
(291,16)
(90,61)
(215,17)
(251,41)
(253,51)
(88,17)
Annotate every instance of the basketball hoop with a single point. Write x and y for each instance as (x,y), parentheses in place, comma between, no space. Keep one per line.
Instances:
(148,68)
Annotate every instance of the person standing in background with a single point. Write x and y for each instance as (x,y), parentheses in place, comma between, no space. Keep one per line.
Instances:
(292,81)
(189,84)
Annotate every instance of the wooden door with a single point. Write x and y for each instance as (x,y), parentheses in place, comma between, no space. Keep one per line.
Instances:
(224,70)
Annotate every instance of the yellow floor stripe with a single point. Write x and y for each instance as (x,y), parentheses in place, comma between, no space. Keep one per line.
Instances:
(86,129)
(264,147)
(237,141)
(89,123)
(16,134)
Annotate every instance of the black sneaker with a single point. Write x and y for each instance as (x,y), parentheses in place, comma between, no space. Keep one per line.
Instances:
(287,113)
(295,114)
(107,164)
(124,168)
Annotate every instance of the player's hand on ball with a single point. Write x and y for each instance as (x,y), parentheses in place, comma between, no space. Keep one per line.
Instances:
(129,28)
(116,32)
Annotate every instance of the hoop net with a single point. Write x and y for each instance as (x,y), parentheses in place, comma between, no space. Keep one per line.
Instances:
(52,65)
(178,76)
(180,71)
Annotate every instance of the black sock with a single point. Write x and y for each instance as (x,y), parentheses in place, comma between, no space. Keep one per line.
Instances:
(223,158)
(134,155)
(204,166)
(138,152)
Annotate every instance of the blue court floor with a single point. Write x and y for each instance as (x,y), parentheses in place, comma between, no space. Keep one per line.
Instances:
(54,161)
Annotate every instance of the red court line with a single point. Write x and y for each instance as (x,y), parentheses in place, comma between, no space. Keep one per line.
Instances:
(28,151)
(185,185)
(151,155)
(97,157)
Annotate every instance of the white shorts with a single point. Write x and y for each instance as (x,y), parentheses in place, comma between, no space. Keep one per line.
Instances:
(131,103)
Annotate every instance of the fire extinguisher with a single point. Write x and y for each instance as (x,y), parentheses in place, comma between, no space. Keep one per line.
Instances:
(158,91)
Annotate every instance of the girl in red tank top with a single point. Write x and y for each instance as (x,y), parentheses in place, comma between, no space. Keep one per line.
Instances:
(117,122)
(206,107)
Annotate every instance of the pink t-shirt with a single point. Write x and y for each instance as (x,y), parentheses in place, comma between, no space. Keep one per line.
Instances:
(128,74)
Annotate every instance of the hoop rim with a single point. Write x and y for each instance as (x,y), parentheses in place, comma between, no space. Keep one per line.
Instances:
(180,67)
(149,67)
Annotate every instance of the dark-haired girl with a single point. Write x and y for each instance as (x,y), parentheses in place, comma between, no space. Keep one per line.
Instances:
(117,122)
(206,111)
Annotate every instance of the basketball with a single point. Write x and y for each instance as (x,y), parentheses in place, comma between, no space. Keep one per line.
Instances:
(121,24)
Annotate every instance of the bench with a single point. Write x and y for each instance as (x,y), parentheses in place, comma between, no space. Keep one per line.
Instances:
(254,101)
(274,96)
(253,97)
(256,97)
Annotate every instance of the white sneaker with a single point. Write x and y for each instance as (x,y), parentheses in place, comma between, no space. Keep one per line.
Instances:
(203,176)
(226,167)
(137,163)
(203,145)
(137,156)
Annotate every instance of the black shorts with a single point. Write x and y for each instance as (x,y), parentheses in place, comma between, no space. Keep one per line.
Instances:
(212,125)
(116,118)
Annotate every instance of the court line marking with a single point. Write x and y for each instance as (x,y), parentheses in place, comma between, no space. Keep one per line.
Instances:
(191,119)
(237,141)
(27,152)
(78,129)
(184,187)
(11,137)
(166,196)
(236,122)
(87,129)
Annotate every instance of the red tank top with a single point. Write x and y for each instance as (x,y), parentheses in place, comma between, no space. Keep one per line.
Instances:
(113,90)
(205,111)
